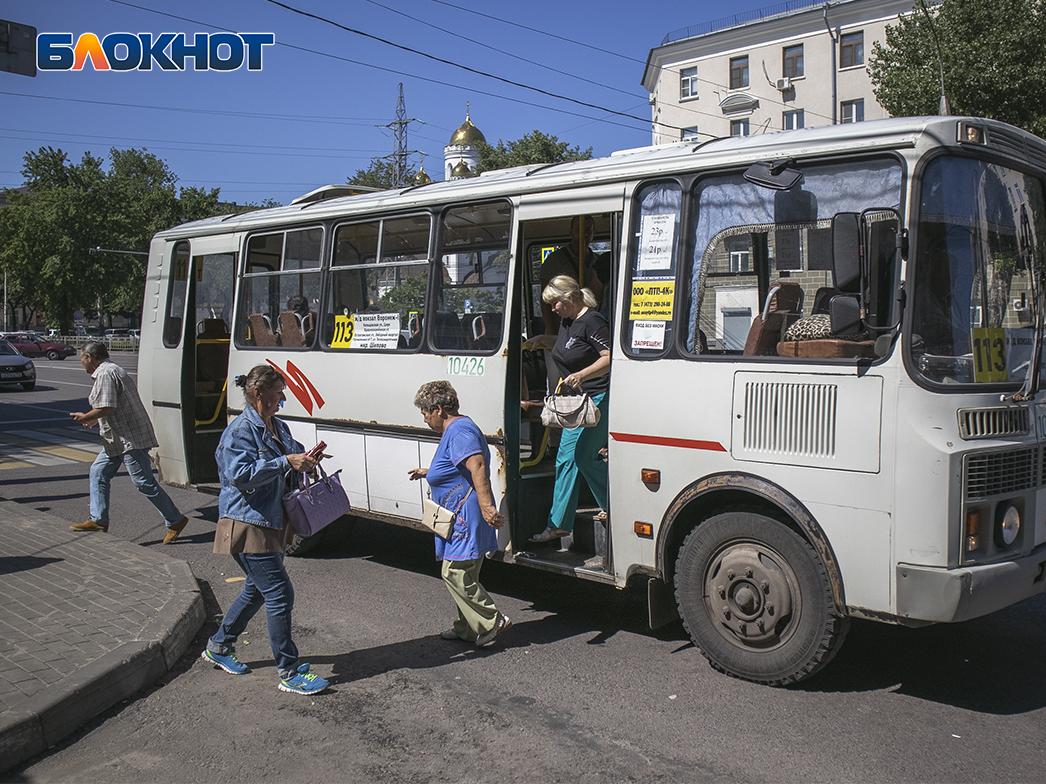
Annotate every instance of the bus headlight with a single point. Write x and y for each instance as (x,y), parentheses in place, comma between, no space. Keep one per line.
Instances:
(1009,526)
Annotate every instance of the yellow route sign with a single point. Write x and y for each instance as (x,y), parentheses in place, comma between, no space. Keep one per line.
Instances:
(344,329)
(989,355)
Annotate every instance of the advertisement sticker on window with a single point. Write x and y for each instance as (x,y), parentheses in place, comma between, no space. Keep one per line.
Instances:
(648,334)
(655,243)
(652,300)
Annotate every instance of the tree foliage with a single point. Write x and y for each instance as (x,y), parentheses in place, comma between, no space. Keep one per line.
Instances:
(532,148)
(48,230)
(381,174)
(991,55)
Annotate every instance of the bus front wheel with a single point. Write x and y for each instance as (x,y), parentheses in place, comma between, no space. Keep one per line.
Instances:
(756,599)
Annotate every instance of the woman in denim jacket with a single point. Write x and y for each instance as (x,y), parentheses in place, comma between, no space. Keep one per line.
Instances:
(257,457)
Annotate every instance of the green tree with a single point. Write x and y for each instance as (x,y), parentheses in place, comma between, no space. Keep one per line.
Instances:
(992,60)
(532,148)
(380,174)
(48,230)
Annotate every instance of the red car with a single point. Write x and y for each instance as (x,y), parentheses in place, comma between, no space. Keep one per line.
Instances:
(33,346)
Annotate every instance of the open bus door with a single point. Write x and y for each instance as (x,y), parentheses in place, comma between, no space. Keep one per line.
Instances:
(544,225)
(205,361)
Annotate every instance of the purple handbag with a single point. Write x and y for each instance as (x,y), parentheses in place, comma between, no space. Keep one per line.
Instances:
(316,503)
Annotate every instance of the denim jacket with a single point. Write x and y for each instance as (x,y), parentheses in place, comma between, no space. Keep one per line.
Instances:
(252,468)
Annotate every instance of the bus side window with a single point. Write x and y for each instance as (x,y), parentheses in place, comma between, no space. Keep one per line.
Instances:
(280,289)
(379,281)
(173,325)
(474,259)
(649,315)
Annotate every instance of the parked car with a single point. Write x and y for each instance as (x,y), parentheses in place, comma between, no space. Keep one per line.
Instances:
(16,368)
(118,333)
(30,345)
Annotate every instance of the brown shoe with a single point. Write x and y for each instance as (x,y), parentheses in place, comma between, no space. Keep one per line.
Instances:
(89,525)
(174,530)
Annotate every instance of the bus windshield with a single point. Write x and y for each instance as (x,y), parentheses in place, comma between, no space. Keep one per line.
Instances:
(978,265)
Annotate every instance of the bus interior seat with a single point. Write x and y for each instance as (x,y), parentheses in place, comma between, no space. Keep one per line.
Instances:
(291,332)
(212,329)
(261,330)
(827,348)
(783,306)
(447,331)
(822,298)
(482,331)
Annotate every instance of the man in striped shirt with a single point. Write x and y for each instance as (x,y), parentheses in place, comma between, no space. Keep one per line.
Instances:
(127,436)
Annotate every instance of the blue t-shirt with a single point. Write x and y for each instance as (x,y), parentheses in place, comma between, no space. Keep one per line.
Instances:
(449,481)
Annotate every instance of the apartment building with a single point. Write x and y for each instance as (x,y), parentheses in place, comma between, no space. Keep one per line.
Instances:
(793,65)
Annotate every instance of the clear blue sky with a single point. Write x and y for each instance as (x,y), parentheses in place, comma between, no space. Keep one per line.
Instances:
(334,109)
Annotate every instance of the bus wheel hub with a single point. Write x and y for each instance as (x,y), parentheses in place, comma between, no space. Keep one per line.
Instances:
(756,584)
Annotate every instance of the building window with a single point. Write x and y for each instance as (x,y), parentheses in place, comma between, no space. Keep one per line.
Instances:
(739,127)
(688,133)
(793,61)
(853,111)
(688,82)
(851,49)
(791,121)
(738,72)
(740,261)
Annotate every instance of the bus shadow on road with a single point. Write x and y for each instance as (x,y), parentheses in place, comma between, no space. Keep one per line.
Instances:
(988,665)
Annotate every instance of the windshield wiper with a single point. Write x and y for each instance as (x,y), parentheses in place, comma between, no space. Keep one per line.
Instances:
(1030,386)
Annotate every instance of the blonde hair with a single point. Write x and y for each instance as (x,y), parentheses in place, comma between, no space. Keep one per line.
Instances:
(564,287)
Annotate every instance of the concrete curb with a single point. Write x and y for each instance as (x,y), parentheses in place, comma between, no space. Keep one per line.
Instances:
(121,673)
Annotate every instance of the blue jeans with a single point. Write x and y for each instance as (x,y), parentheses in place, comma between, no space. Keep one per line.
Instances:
(140,469)
(267,583)
(578,456)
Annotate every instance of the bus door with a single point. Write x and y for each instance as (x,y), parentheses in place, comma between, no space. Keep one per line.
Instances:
(547,225)
(205,353)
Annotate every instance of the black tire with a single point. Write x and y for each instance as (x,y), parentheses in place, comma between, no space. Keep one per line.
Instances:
(53,355)
(768,614)
(29,386)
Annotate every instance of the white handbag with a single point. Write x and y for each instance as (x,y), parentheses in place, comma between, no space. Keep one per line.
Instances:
(439,519)
(568,411)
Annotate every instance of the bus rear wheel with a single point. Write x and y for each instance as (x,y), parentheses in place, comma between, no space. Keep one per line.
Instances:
(756,599)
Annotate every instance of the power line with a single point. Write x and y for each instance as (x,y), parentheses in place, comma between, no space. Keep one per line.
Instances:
(189,141)
(445,61)
(408,74)
(617,54)
(75,143)
(502,51)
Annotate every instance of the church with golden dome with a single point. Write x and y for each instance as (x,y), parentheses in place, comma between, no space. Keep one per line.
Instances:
(461,155)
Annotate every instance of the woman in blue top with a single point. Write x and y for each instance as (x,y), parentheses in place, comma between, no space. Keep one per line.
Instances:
(459,480)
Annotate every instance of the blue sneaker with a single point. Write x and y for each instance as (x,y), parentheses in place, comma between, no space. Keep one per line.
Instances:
(303,682)
(226,661)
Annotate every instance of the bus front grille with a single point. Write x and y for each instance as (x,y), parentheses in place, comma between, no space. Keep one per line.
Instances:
(977,423)
(996,473)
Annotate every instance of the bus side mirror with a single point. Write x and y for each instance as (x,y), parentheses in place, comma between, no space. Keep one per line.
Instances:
(846,252)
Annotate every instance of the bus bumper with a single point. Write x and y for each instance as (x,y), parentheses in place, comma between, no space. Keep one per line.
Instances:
(926,593)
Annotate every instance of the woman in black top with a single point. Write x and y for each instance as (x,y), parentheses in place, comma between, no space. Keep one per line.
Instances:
(582,357)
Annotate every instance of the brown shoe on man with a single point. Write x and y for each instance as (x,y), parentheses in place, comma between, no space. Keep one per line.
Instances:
(174,530)
(89,525)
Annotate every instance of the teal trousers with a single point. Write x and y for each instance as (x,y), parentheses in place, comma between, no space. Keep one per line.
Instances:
(578,457)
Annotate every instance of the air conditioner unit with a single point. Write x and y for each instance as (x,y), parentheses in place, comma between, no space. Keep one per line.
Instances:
(784,83)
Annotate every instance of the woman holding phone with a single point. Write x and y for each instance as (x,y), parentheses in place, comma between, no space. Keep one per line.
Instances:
(257,460)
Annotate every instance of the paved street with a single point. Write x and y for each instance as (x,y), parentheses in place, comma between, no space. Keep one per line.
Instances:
(579,690)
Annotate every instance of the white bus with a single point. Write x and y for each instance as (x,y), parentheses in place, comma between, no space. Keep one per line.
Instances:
(823,386)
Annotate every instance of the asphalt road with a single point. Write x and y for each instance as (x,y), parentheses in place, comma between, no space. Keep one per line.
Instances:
(579,691)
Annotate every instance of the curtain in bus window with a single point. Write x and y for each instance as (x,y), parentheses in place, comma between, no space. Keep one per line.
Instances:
(731,206)
(651,301)
(474,258)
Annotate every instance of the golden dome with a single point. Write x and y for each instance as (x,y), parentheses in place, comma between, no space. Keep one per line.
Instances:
(461,169)
(467,134)
(422,178)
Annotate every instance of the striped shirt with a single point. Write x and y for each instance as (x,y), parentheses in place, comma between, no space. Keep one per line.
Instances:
(127,427)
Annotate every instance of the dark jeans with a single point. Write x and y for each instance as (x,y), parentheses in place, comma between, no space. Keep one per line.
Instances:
(267,583)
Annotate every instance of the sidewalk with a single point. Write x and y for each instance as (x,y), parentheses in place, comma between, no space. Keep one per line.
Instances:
(86,620)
